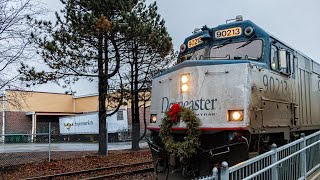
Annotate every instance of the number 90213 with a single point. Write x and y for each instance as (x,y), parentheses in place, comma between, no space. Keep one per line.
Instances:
(237,31)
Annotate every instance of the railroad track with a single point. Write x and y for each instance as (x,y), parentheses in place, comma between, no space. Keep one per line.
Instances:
(143,170)
(103,172)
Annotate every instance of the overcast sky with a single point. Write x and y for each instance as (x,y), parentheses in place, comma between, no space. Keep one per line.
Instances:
(292,21)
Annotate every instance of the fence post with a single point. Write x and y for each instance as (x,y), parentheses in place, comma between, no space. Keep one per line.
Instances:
(107,139)
(49,139)
(274,159)
(303,157)
(33,129)
(215,172)
(224,171)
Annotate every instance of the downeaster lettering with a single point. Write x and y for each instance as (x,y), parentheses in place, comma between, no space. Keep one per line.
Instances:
(198,104)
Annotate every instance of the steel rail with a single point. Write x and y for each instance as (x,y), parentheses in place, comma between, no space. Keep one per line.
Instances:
(87,171)
(149,169)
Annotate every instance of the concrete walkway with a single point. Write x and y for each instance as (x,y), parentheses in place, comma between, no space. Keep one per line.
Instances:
(38,147)
(315,175)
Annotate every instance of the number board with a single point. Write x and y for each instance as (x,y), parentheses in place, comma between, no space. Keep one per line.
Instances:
(237,31)
(194,42)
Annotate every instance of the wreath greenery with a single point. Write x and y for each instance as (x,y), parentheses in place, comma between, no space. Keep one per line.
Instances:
(189,146)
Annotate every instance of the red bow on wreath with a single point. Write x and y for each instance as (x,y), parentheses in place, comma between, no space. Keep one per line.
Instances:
(174,112)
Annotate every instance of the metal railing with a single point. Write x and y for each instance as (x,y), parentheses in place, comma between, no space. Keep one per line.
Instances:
(296,160)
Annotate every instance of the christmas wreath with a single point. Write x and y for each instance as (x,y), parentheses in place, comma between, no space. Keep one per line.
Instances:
(189,146)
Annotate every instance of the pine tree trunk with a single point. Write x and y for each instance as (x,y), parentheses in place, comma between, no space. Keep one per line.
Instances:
(136,120)
(135,136)
(136,124)
(103,150)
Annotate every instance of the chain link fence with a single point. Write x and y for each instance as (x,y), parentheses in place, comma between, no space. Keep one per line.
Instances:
(18,149)
(48,143)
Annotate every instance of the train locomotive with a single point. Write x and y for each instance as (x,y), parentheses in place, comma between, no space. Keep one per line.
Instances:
(248,89)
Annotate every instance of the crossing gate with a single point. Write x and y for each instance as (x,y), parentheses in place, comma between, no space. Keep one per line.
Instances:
(296,160)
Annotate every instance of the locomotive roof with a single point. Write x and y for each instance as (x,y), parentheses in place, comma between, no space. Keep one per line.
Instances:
(258,30)
(243,24)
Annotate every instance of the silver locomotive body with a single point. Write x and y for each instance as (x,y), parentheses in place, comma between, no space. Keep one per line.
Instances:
(214,90)
(244,102)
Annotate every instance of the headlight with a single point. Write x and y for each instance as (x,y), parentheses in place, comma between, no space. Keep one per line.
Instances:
(184,78)
(234,115)
(153,118)
(184,82)
(184,88)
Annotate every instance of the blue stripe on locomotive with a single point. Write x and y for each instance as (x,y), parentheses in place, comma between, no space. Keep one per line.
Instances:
(261,34)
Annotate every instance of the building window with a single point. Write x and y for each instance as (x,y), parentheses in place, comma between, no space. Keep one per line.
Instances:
(120,115)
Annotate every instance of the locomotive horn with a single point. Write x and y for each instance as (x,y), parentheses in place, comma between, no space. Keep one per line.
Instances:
(205,35)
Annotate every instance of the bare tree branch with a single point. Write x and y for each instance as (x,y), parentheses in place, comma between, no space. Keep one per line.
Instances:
(14,32)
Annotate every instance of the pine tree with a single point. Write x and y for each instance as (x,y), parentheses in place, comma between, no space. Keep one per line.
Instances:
(83,43)
(149,51)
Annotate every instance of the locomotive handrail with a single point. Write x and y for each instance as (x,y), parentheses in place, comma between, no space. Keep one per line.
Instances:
(218,57)
(162,80)
(223,152)
(220,147)
(214,72)
(273,100)
(150,143)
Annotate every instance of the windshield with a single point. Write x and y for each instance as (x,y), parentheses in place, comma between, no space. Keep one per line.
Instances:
(238,50)
(195,55)
(251,50)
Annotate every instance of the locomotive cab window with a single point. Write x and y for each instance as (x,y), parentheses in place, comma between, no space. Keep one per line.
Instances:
(283,62)
(291,63)
(286,64)
(280,60)
(274,58)
(194,55)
